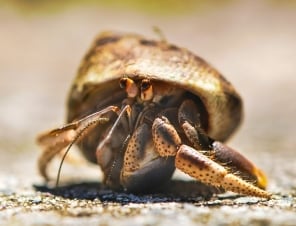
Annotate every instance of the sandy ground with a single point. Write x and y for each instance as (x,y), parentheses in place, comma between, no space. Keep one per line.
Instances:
(252,44)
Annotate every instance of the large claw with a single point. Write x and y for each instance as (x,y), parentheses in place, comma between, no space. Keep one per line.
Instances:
(209,172)
(216,165)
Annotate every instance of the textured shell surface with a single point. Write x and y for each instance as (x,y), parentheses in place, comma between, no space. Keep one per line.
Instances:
(114,55)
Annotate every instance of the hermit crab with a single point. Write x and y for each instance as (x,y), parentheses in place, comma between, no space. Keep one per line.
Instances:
(141,108)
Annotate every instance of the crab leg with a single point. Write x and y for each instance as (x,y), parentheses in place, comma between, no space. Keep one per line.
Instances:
(58,139)
(221,153)
(143,168)
(196,164)
(227,156)
(107,139)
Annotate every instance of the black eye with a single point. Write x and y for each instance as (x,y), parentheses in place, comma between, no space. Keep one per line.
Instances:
(123,83)
(145,84)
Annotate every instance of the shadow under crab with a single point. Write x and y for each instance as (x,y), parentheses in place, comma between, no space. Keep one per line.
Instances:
(173,191)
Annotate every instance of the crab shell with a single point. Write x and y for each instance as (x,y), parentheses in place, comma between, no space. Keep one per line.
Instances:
(114,55)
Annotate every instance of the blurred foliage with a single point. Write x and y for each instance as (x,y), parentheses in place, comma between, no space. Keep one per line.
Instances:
(283,2)
(159,7)
(156,7)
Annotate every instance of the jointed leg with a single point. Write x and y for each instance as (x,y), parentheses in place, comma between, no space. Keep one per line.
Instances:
(143,167)
(57,140)
(217,151)
(198,165)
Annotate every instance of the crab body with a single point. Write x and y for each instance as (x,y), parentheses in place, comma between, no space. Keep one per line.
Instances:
(141,108)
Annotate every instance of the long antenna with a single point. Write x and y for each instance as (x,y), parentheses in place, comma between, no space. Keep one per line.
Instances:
(73,142)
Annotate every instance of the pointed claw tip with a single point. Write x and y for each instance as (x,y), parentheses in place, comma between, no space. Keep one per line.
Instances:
(233,183)
(261,178)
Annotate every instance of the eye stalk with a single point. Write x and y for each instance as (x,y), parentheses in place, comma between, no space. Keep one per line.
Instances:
(145,85)
(123,83)
(130,87)
(146,90)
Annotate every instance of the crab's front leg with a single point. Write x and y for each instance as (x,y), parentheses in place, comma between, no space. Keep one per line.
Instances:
(55,141)
(208,171)
(143,168)
(196,164)
(234,161)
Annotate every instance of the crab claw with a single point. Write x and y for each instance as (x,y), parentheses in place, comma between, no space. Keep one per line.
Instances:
(237,162)
(207,171)
(55,141)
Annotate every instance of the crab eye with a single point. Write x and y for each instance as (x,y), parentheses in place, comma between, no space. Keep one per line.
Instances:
(146,90)
(145,85)
(129,85)
(123,83)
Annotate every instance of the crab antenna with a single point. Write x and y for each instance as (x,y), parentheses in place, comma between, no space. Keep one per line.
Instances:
(73,142)
(126,108)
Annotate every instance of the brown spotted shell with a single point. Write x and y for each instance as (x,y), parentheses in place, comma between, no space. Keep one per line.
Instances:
(114,55)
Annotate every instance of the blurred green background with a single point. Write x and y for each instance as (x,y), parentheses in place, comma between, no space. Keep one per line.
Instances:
(167,7)
(162,7)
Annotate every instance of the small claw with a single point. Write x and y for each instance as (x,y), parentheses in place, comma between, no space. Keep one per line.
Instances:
(55,141)
(56,136)
(209,172)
